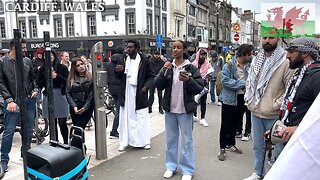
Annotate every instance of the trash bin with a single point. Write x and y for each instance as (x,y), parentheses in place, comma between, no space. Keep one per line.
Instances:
(56,161)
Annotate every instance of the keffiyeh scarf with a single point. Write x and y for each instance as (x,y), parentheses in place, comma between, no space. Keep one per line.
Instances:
(255,86)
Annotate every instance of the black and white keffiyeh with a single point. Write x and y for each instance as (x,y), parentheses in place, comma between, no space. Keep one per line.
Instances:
(291,91)
(255,86)
(307,45)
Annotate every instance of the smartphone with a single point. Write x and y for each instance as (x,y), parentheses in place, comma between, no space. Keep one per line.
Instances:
(184,72)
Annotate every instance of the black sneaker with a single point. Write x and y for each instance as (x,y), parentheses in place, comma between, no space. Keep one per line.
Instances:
(238,135)
(161,111)
(4,166)
(114,136)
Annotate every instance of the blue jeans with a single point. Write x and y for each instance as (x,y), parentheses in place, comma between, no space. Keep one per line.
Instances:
(184,122)
(115,125)
(259,127)
(212,90)
(10,121)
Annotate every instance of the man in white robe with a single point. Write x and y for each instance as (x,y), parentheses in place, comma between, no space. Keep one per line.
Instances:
(136,77)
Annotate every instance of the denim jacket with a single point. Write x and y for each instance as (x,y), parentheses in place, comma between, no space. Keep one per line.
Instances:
(231,84)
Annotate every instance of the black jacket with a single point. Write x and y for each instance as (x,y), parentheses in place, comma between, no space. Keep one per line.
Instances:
(157,65)
(145,78)
(307,92)
(59,82)
(190,88)
(37,63)
(8,81)
(113,81)
(81,93)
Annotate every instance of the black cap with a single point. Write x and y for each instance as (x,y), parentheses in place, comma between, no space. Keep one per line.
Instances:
(202,51)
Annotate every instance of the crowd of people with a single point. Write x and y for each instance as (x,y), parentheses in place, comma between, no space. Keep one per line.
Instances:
(274,84)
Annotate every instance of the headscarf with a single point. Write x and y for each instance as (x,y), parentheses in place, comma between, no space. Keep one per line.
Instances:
(205,66)
(307,45)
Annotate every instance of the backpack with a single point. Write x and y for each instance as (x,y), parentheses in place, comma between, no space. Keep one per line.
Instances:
(219,86)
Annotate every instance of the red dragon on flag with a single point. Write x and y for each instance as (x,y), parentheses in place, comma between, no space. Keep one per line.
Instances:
(292,18)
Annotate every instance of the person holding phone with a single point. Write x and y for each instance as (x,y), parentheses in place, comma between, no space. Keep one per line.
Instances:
(181,81)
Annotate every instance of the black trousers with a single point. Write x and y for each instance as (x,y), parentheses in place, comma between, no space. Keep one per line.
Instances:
(243,109)
(151,97)
(203,106)
(81,120)
(229,121)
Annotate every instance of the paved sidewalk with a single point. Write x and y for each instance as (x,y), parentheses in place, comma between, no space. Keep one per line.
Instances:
(16,164)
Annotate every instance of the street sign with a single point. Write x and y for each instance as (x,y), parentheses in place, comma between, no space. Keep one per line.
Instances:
(225,48)
(159,41)
(236,37)
(236,27)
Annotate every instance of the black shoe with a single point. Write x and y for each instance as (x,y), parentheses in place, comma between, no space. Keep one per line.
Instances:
(150,110)
(161,111)
(4,166)
(114,136)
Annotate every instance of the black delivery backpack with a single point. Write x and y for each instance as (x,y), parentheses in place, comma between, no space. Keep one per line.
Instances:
(59,161)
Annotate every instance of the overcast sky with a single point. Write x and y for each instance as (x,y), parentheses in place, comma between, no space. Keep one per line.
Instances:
(255,5)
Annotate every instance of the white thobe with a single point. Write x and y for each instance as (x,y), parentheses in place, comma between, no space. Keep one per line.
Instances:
(134,125)
(300,159)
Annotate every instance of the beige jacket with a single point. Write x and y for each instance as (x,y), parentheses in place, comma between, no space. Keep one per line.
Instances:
(269,106)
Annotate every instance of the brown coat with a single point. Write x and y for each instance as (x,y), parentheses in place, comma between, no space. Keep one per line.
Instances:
(269,106)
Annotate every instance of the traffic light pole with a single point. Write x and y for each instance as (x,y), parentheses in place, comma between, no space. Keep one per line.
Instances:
(99,83)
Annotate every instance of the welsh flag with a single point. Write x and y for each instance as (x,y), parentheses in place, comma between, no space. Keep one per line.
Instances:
(288,19)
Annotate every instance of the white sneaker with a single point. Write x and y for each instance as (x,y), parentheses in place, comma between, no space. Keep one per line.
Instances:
(195,119)
(168,174)
(147,147)
(204,123)
(254,176)
(186,177)
(122,148)
(245,138)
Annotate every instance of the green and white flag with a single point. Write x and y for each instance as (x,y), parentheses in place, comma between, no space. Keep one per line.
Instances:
(288,19)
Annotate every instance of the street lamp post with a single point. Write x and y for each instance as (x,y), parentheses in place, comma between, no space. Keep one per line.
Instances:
(217,4)
(254,26)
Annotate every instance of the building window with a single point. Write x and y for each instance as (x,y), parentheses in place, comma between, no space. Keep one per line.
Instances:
(149,3)
(192,11)
(1,7)
(164,5)
(70,26)
(191,31)
(3,29)
(33,29)
(210,33)
(157,24)
(149,23)
(157,3)
(131,27)
(92,25)
(178,27)
(57,27)
(129,2)
(22,26)
(164,26)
